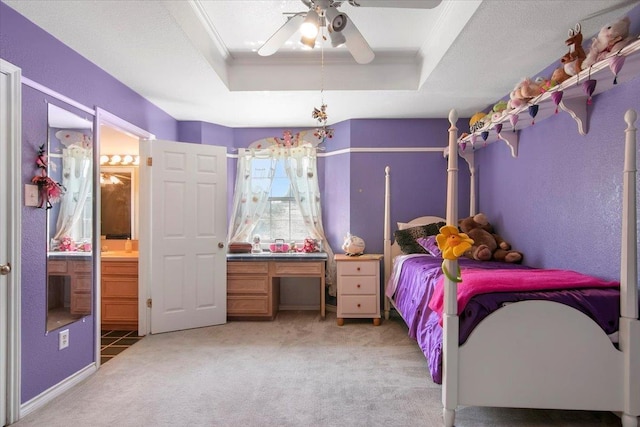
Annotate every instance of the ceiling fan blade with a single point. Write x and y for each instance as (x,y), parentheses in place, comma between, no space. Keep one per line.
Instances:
(609,9)
(283,33)
(407,4)
(357,44)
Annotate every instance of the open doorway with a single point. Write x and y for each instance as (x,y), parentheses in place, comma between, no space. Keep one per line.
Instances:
(119,300)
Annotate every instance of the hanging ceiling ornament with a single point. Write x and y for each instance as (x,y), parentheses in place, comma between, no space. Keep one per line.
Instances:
(320,114)
(498,128)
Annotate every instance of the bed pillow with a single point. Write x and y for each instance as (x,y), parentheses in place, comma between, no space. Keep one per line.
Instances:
(407,238)
(430,245)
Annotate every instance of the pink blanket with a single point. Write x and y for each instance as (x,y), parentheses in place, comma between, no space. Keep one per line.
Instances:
(477,281)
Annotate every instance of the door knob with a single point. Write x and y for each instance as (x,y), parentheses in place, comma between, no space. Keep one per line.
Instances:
(221,245)
(5,269)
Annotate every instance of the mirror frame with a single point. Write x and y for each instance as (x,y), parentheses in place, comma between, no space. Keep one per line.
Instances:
(71,273)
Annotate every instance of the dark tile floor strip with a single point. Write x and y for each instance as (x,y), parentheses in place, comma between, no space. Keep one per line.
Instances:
(113,343)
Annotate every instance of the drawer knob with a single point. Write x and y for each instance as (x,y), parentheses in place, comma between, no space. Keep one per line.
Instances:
(358,285)
(358,305)
(358,268)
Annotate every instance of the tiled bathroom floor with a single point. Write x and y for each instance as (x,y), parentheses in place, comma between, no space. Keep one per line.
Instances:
(113,343)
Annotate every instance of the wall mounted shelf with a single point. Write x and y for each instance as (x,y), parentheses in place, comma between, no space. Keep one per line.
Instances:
(575,101)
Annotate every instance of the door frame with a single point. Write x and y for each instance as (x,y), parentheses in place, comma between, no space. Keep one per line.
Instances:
(111,120)
(11,194)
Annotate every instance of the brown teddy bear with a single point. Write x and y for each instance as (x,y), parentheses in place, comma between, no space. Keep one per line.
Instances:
(487,244)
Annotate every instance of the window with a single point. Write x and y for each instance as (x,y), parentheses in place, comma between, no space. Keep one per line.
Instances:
(281,218)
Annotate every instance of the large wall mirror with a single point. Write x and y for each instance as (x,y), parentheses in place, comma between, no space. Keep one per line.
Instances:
(119,162)
(70,220)
(117,202)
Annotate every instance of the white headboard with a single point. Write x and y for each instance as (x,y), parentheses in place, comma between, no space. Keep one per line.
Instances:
(423,220)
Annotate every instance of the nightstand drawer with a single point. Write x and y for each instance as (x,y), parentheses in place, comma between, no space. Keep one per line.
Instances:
(358,268)
(357,285)
(350,305)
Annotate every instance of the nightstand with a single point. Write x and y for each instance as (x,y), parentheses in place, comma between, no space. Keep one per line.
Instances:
(358,287)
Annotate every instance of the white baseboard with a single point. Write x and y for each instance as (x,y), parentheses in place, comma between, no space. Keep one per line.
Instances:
(51,393)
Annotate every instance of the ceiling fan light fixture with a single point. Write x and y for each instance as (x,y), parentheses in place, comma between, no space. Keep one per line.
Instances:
(309,42)
(310,27)
(336,21)
(337,38)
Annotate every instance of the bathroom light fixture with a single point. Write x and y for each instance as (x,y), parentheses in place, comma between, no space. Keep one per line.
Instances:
(119,160)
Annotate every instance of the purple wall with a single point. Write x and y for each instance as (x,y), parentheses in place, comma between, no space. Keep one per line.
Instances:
(418,179)
(562,195)
(46,61)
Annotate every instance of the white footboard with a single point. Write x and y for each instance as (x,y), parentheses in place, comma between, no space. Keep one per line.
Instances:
(541,354)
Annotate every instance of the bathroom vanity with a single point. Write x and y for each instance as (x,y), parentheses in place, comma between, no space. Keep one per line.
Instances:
(119,290)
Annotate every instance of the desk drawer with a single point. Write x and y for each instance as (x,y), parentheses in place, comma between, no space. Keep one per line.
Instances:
(357,285)
(241,305)
(247,267)
(300,268)
(357,305)
(358,268)
(247,285)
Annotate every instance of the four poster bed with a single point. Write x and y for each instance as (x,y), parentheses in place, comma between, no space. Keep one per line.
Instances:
(566,341)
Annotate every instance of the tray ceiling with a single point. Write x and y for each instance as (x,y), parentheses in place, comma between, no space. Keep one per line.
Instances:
(197,59)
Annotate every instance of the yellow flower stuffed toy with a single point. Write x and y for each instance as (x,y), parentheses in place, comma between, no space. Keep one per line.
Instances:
(452,244)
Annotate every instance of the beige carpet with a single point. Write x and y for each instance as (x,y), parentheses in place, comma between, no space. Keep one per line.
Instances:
(294,371)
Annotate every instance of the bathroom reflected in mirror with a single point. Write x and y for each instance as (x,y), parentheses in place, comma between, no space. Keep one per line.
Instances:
(70,221)
(118,186)
(116,202)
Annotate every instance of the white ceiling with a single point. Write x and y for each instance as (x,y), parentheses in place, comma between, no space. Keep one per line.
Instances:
(197,59)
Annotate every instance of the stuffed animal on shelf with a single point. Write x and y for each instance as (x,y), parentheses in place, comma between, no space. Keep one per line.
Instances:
(476,121)
(525,90)
(488,245)
(571,62)
(611,38)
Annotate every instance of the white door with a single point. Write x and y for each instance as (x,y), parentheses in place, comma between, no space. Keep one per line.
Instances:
(4,230)
(11,186)
(184,254)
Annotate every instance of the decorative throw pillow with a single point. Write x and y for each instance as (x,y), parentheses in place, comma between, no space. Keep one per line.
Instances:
(430,245)
(407,239)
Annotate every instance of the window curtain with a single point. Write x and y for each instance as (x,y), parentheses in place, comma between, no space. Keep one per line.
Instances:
(301,168)
(77,180)
(251,193)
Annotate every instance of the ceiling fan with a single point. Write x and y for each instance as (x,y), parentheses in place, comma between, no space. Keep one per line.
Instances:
(342,30)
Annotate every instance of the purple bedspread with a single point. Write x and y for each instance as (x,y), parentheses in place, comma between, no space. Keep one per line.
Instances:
(417,282)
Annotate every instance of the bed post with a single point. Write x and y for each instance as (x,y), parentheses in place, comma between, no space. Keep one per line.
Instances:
(387,237)
(629,323)
(450,312)
(469,157)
